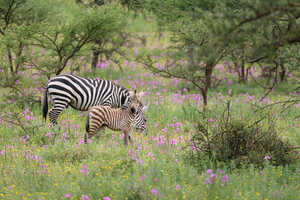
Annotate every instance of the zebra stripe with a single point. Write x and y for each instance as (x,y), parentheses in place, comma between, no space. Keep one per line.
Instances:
(118,119)
(83,93)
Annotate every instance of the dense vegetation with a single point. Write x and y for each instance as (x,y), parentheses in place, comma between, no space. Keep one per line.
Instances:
(221,78)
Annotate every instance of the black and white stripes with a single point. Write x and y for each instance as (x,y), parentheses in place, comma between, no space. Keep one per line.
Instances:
(118,119)
(82,93)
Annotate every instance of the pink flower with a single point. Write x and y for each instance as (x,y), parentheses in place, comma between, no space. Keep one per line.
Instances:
(142,178)
(209,171)
(85,197)
(84,170)
(139,161)
(67,195)
(106,198)
(155,180)
(267,157)
(261,172)
(154,192)
(178,187)
(173,142)
(250,97)
(48,134)
(229,92)
(224,179)
(211,178)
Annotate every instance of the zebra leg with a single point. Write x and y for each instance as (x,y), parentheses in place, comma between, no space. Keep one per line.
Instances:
(125,138)
(129,136)
(53,115)
(57,107)
(93,133)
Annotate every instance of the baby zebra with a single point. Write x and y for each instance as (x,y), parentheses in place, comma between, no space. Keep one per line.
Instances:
(118,119)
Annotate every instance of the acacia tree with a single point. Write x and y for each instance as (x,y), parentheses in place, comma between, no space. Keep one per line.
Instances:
(194,51)
(65,40)
(17,17)
(29,27)
(108,47)
(205,32)
(260,32)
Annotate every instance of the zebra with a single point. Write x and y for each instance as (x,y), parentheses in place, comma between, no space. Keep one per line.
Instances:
(83,93)
(118,119)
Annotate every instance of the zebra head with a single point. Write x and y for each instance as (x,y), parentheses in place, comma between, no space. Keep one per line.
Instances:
(127,98)
(140,118)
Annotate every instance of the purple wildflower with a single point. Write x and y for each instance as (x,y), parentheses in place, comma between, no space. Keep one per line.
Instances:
(85,197)
(267,157)
(154,192)
(209,171)
(84,170)
(142,178)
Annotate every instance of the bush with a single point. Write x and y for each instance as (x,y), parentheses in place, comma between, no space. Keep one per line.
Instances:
(239,140)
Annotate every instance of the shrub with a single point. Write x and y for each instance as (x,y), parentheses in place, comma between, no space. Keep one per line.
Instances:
(238,139)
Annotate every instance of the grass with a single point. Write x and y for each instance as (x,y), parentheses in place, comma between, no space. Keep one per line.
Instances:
(59,166)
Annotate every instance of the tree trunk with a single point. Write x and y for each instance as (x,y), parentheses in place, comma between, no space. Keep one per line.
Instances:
(242,78)
(204,95)
(95,59)
(276,73)
(207,83)
(282,73)
(11,66)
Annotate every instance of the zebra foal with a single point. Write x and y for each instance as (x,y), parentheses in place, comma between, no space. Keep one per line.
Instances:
(117,119)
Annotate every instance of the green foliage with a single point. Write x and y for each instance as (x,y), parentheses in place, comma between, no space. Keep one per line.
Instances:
(65,41)
(239,139)
(203,33)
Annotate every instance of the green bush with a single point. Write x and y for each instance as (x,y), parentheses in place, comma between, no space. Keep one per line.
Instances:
(238,139)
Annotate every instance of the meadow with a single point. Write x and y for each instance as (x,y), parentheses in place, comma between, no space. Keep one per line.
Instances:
(38,162)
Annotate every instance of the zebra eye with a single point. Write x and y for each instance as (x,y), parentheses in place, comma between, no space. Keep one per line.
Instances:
(132,109)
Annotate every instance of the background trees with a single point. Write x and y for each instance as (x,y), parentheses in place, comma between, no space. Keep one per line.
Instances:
(42,37)
(203,33)
(200,34)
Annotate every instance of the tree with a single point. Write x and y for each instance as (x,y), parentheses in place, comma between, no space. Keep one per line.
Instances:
(41,37)
(64,41)
(260,32)
(16,18)
(205,32)
(191,39)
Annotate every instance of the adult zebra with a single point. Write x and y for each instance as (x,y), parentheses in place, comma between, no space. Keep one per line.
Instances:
(83,93)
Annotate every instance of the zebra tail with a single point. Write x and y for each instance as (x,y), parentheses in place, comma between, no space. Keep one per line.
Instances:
(45,104)
(87,127)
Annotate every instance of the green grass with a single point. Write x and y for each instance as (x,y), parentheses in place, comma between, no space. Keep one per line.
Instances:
(114,170)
